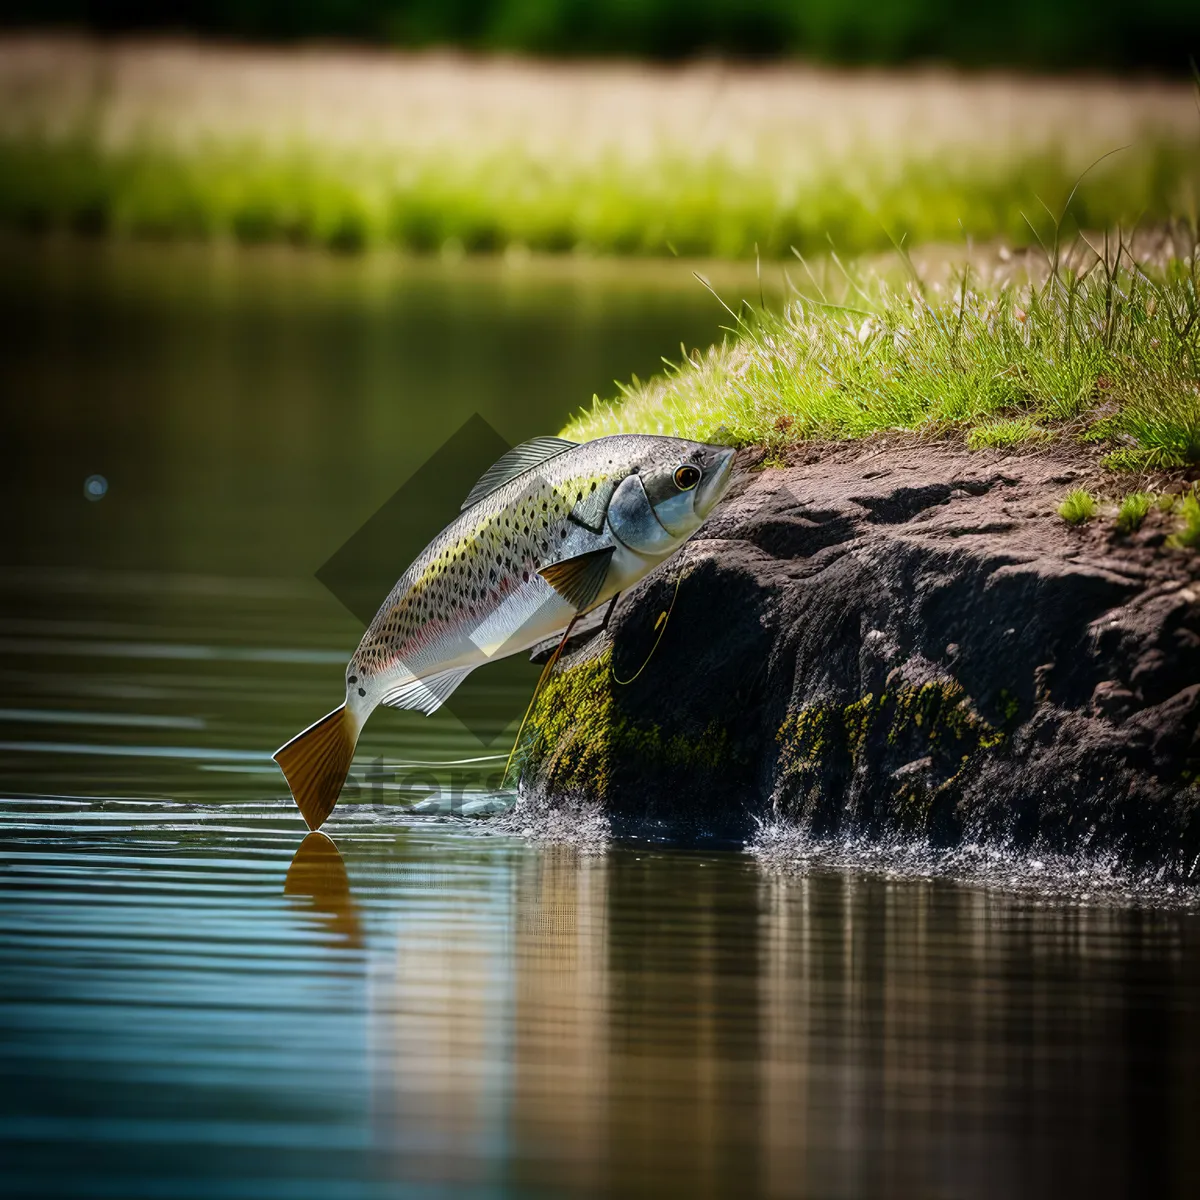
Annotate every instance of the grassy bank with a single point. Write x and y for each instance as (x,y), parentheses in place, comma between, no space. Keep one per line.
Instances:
(1092,342)
(433,153)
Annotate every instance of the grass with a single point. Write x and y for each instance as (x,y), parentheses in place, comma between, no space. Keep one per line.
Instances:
(1132,511)
(995,435)
(1187,537)
(1101,343)
(1159,423)
(354,152)
(1077,507)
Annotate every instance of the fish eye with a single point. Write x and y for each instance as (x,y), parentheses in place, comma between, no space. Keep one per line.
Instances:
(686,477)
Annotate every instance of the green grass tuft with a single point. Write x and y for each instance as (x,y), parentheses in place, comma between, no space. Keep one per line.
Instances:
(1160,420)
(1077,507)
(998,434)
(1132,511)
(1187,537)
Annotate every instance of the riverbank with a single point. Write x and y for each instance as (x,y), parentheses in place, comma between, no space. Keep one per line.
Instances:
(949,620)
(436,152)
(895,651)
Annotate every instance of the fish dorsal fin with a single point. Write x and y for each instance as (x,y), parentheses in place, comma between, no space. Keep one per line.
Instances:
(516,462)
(578,580)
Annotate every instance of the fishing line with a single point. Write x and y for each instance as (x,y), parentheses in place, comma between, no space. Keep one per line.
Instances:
(446,762)
(537,688)
(661,626)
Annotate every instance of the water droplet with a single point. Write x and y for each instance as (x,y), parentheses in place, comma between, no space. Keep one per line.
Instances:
(95,487)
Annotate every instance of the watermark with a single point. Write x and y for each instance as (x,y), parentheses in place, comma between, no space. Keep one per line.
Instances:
(363,571)
(459,790)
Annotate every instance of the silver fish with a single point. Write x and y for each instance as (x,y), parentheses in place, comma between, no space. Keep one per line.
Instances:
(549,532)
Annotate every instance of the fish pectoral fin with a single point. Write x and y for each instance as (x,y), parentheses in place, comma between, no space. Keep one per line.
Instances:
(516,462)
(426,695)
(578,580)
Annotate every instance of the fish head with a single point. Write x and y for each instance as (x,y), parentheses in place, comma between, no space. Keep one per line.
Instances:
(671,490)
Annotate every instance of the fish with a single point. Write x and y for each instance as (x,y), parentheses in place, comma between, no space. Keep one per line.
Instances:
(551,531)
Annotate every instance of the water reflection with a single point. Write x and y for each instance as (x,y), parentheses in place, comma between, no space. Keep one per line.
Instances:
(666,1024)
(318,874)
(200,1007)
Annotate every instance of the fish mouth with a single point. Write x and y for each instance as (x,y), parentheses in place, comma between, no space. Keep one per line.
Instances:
(716,479)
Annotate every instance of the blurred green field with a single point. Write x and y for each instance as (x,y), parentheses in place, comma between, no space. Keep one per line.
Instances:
(425,153)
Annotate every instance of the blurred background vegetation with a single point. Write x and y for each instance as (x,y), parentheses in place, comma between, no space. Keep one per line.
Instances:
(716,128)
(1063,34)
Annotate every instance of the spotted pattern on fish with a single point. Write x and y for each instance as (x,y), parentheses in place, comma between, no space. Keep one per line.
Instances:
(473,566)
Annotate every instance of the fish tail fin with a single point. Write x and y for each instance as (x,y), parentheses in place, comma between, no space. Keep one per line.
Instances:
(315,764)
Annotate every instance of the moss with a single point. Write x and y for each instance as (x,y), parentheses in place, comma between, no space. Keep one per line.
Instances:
(578,731)
(1009,707)
(858,719)
(570,717)
(940,714)
(912,805)
(808,735)
(823,745)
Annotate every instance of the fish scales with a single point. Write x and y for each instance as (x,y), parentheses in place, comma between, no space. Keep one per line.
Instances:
(477,562)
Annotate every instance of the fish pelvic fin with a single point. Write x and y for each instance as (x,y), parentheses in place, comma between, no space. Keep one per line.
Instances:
(315,764)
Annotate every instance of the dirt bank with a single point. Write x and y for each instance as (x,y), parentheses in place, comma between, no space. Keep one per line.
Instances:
(893,645)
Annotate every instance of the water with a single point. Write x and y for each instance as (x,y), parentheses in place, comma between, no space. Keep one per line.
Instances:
(197,1001)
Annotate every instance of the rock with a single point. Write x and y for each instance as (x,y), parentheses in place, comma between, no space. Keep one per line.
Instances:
(871,646)
(1110,699)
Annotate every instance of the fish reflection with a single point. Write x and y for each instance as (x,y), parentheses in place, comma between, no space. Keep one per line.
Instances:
(318,874)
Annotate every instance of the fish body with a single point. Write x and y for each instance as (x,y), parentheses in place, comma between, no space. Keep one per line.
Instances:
(551,531)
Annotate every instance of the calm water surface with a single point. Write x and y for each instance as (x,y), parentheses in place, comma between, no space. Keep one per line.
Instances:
(195,1000)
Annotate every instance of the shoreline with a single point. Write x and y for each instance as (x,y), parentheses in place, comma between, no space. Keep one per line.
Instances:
(896,656)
